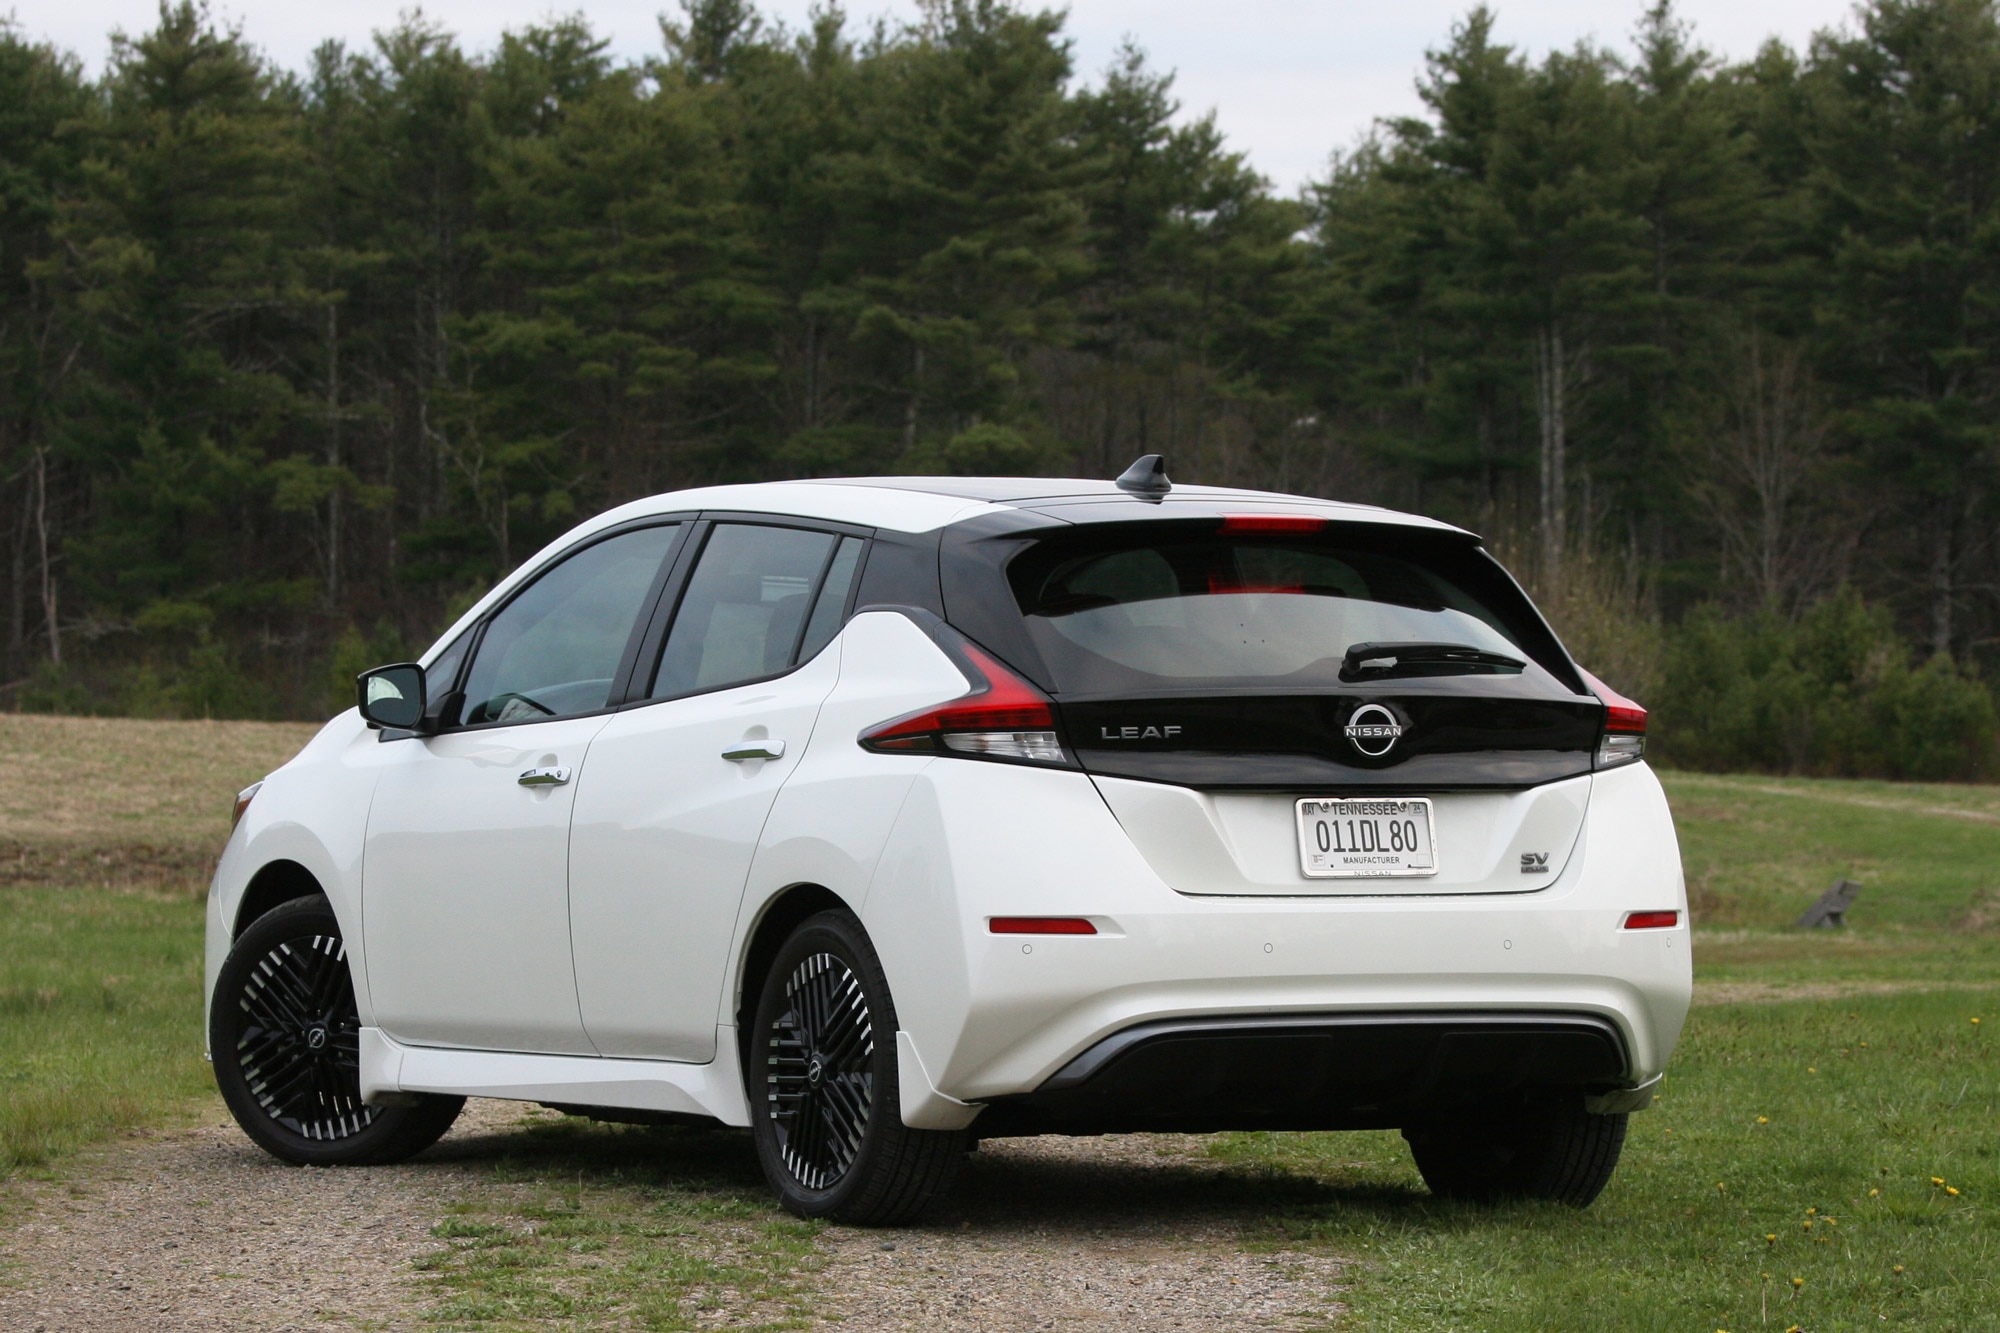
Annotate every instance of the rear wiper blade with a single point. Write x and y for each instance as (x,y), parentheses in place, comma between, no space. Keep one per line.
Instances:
(1379,661)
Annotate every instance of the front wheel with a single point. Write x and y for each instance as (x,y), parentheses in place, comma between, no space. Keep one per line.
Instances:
(1551,1150)
(285,1035)
(825,1110)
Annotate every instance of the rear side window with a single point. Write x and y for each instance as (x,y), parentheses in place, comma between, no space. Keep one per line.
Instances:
(1161,610)
(761,599)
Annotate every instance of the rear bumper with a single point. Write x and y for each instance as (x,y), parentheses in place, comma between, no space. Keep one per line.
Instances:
(992,1019)
(1314,1071)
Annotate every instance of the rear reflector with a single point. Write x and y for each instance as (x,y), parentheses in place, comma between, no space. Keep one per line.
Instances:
(1273,523)
(1040,925)
(1651,920)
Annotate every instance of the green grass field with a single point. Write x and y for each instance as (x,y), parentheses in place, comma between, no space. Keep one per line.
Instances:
(1789,1175)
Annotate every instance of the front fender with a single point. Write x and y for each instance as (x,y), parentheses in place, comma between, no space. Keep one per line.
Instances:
(313,811)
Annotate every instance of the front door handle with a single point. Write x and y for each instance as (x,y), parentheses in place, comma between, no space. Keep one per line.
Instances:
(544,777)
(748,750)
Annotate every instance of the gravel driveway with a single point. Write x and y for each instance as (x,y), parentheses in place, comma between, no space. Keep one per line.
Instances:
(195,1229)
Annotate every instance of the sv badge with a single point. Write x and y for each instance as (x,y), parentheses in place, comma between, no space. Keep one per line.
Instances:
(1534,863)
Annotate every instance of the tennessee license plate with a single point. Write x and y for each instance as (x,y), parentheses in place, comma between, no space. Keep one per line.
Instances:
(1363,839)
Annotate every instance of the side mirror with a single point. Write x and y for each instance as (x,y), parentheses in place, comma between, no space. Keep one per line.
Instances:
(392,696)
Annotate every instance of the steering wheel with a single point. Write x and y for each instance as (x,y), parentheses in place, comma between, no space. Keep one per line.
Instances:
(494,709)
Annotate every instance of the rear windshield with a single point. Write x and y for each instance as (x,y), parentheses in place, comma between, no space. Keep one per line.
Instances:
(1160,610)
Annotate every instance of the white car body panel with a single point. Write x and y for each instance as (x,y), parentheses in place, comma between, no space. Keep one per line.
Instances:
(665,832)
(715,1089)
(313,812)
(465,911)
(1238,843)
(1198,900)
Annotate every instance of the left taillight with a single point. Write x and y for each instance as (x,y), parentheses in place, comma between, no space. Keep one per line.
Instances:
(1003,717)
(243,799)
(1624,738)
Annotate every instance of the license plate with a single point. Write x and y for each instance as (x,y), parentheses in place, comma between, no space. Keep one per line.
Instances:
(1365,839)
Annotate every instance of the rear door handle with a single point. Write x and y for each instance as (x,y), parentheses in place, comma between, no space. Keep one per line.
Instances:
(748,750)
(544,777)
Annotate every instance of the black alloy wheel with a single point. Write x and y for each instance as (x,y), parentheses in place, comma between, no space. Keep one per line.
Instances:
(825,1108)
(822,1083)
(285,1035)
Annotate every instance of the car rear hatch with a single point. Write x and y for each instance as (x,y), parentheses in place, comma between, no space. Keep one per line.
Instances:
(1243,687)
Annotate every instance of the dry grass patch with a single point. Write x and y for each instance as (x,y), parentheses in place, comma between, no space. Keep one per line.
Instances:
(119,801)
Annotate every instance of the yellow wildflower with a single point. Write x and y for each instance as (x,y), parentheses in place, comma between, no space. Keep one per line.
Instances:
(1952,1190)
(1798,1282)
(1937,1180)
(1763,1120)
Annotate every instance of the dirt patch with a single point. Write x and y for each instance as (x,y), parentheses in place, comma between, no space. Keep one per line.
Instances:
(198,1229)
(1984,914)
(1765,992)
(1130,1232)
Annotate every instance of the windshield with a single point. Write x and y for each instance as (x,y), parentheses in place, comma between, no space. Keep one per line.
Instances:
(1193,610)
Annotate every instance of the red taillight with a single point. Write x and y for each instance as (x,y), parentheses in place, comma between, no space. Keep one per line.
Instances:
(1040,925)
(1652,920)
(1004,717)
(1620,714)
(1273,524)
(1624,738)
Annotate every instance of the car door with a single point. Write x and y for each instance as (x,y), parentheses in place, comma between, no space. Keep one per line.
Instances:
(669,812)
(466,868)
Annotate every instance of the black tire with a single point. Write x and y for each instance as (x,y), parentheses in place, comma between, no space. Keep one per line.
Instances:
(1552,1150)
(285,1036)
(824,1105)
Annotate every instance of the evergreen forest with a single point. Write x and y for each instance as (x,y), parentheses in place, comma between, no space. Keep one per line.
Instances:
(295,362)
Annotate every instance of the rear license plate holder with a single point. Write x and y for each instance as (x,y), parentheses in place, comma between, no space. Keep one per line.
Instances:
(1373,837)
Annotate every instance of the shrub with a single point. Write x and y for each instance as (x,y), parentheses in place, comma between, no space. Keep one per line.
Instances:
(1831,694)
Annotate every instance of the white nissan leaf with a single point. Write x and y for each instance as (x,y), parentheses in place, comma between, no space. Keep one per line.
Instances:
(882,816)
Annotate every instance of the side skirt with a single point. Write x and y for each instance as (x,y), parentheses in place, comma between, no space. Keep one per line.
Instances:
(715,1089)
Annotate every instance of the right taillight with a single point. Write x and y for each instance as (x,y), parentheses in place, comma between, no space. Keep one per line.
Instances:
(1004,717)
(1624,738)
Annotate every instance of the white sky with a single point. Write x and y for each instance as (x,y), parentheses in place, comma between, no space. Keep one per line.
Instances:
(1290,79)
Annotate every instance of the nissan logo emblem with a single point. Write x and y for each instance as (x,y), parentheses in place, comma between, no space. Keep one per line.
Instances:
(1373,730)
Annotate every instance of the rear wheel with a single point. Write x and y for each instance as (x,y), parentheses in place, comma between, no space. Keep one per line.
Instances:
(825,1107)
(1551,1150)
(285,1035)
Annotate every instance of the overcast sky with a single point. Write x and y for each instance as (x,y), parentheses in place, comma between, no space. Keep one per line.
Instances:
(1289,79)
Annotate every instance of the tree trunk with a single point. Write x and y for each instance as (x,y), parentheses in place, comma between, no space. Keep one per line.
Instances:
(333,499)
(49,609)
(1941,588)
(1550,392)
(17,611)
(916,395)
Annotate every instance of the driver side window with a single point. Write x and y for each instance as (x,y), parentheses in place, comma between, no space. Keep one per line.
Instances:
(554,649)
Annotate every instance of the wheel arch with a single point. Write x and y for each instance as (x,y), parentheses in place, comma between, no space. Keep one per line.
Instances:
(778,919)
(273,885)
